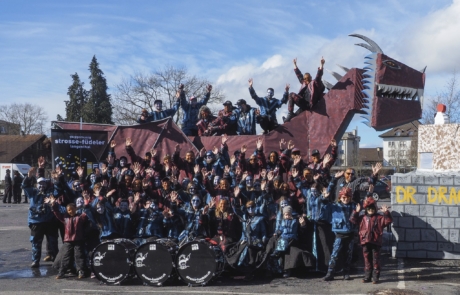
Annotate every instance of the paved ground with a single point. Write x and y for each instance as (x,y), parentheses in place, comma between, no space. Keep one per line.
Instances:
(399,276)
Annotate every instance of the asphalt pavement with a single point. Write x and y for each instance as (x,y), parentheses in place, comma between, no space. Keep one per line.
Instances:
(399,276)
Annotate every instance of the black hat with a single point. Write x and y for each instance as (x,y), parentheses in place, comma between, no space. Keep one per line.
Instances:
(240,102)
(228,103)
(8,171)
(158,101)
(314,152)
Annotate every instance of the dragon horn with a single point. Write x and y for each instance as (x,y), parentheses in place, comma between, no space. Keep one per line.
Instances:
(424,69)
(373,46)
(327,84)
(343,68)
(335,75)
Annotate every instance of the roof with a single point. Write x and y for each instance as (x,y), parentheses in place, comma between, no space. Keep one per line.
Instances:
(371,154)
(13,145)
(407,130)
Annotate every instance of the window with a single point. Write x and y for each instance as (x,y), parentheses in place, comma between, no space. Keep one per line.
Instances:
(391,153)
(391,143)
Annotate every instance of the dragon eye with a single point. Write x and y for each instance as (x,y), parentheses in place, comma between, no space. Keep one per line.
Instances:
(392,64)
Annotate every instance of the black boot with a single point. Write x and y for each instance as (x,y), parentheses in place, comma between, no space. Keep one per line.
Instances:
(375,277)
(329,276)
(367,276)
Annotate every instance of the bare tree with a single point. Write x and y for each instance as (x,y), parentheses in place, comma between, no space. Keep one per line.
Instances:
(449,97)
(31,118)
(141,90)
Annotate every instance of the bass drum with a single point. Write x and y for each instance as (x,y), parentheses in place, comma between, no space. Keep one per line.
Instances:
(198,262)
(112,261)
(154,261)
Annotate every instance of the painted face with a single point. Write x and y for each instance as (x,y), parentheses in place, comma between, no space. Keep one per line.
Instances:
(80,202)
(71,210)
(76,186)
(192,189)
(122,162)
(216,180)
(370,210)
(251,210)
(157,182)
(41,186)
(158,106)
(190,157)
(283,204)
(124,206)
(153,206)
(100,209)
(196,202)
(209,157)
(92,178)
(270,93)
(315,192)
(249,181)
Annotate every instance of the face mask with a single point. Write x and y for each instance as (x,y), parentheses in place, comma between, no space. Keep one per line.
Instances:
(123,206)
(196,202)
(80,202)
(158,106)
(41,186)
(77,187)
(153,206)
(314,192)
(270,93)
(249,182)
(100,210)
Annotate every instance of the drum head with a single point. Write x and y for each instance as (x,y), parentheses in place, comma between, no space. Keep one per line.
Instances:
(111,261)
(153,263)
(196,263)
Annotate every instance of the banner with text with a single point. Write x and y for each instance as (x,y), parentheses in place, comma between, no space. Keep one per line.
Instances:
(74,148)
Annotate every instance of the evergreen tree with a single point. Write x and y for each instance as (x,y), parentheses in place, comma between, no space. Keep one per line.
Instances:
(78,98)
(98,108)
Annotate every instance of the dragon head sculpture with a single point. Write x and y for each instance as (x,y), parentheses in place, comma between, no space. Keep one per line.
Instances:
(393,91)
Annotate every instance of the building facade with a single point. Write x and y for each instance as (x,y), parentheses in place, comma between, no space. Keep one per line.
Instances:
(400,146)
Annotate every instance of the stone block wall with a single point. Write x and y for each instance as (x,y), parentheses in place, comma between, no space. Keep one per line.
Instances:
(425,209)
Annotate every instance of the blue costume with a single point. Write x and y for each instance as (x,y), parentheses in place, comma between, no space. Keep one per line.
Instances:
(190,113)
(41,222)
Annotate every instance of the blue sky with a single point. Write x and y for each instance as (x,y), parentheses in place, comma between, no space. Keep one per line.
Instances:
(227,42)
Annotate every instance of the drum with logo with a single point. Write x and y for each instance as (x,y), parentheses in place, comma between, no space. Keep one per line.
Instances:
(154,261)
(112,261)
(198,262)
